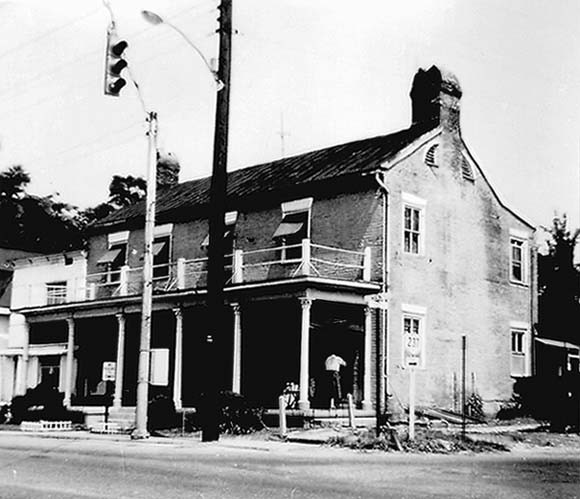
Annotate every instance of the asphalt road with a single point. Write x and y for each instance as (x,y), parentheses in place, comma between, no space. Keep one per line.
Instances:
(33,467)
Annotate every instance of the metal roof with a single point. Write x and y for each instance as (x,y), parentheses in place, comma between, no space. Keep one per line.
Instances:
(353,158)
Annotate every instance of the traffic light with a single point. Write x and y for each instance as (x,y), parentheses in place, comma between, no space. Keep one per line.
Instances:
(114,63)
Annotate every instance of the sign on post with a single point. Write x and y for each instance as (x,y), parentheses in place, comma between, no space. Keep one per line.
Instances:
(109,371)
(413,344)
(159,367)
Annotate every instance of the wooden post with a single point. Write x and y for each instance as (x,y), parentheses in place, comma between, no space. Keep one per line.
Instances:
(118,395)
(306,256)
(367,264)
(350,411)
(303,401)
(411,403)
(180,273)
(70,346)
(282,412)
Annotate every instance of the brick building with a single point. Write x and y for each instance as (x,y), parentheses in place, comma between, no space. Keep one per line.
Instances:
(384,251)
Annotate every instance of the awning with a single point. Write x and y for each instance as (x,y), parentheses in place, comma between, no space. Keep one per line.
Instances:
(158,247)
(287,229)
(291,224)
(110,256)
(205,242)
(559,344)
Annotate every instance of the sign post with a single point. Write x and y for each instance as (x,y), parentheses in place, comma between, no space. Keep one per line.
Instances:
(413,358)
(411,403)
(108,377)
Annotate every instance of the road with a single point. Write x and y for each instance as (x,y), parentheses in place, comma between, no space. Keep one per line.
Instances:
(34,467)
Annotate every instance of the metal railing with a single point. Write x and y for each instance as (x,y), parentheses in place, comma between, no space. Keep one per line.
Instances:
(265,264)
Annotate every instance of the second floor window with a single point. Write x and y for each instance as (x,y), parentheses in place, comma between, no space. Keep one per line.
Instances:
(161,256)
(412,230)
(290,233)
(55,293)
(518,260)
(113,260)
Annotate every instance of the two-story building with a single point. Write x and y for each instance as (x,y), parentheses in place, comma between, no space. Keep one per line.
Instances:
(384,251)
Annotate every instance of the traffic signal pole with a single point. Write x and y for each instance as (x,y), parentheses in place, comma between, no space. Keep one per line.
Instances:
(147,298)
(217,205)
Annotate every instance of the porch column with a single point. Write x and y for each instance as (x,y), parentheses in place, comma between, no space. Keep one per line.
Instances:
(303,401)
(366,402)
(178,364)
(22,364)
(69,361)
(118,396)
(237,357)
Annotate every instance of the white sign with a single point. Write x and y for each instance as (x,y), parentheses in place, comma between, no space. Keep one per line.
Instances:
(109,371)
(159,370)
(413,344)
(377,301)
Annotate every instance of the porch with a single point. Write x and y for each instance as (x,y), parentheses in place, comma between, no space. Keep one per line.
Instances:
(262,265)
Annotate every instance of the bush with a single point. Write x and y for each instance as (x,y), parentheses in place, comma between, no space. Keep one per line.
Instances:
(236,415)
(161,410)
(44,402)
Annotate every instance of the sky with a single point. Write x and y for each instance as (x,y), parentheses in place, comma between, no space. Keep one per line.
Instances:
(306,74)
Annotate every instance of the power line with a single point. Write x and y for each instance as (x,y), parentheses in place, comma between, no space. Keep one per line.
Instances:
(42,36)
(38,78)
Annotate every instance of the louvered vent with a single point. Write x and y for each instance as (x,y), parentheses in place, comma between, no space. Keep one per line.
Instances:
(466,170)
(431,156)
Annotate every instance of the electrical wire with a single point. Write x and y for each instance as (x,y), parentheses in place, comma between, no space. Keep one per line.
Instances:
(33,81)
(42,36)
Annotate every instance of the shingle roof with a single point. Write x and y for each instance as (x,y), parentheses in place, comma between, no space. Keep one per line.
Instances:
(353,158)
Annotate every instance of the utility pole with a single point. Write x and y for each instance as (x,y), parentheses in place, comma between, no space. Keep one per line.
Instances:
(217,202)
(147,301)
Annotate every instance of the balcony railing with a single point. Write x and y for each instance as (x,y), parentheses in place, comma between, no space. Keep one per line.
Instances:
(282,262)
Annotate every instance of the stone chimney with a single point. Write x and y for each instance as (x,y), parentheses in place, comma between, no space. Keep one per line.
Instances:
(167,170)
(435,98)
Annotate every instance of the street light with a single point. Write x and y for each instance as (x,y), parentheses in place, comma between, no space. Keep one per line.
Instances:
(217,202)
(156,19)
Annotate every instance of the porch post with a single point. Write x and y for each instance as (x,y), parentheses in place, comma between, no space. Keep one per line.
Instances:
(69,361)
(178,364)
(237,357)
(303,401)
(22,364)
(118,396)
(366,402)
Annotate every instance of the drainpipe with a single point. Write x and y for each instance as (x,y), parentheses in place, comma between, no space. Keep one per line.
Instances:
(384,332)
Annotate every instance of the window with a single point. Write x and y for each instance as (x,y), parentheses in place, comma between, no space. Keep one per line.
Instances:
(413,224)
(518,258)
(294,227)
(116,256)
(518,352)
(161,253)
(230,219)
(412,230)
(55,293)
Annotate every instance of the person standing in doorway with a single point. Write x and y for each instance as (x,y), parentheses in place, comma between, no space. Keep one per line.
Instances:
(333,363)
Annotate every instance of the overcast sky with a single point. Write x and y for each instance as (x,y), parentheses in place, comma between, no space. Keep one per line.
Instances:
(335,70)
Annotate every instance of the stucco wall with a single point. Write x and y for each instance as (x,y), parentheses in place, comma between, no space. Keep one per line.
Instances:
(461,278)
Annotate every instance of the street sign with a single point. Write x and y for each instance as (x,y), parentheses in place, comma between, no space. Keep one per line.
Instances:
(413,344)
(109,371)
(377,301)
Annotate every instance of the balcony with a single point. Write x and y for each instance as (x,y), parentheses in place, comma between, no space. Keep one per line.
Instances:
(254,266)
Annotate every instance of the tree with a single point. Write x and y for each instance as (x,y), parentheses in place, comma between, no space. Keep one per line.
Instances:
(559,285)
(123,192)
(36,223)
